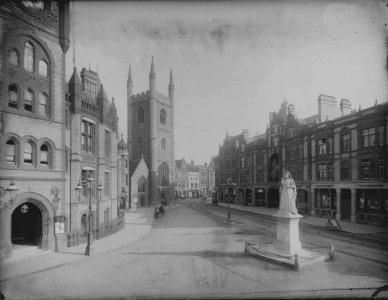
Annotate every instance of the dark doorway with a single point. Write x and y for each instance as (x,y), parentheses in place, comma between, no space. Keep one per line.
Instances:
(273,198)
(259,197)
(345,204)
(248,197)
(142,201)
(27,225)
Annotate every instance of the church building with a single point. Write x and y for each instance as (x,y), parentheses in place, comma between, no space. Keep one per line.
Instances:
(151,142)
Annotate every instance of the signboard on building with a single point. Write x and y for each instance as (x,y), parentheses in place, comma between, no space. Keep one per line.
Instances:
(59,222)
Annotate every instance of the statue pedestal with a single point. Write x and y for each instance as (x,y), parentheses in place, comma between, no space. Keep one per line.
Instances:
(287,248)
(287,233)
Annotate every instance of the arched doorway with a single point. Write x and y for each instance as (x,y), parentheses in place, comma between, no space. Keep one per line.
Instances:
(26,224)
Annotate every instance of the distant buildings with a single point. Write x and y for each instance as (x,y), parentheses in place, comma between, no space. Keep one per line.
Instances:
(338,159)
(193,181)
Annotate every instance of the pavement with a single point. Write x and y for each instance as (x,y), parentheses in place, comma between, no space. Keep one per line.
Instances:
(355,228)
(28,260)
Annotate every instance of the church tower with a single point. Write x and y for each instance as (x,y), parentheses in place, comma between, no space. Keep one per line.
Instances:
(151,137)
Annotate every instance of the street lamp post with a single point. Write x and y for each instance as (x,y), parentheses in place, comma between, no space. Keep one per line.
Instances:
(230,194)
(90,180)
(55,205)
(100,188)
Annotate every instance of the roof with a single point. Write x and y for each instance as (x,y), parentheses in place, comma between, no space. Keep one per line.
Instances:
(192,168)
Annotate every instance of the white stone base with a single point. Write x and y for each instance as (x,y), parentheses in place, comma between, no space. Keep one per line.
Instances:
(286,249)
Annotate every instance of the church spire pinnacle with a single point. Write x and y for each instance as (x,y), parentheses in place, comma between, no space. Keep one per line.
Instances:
(129,75)
(171,85)
(152,72)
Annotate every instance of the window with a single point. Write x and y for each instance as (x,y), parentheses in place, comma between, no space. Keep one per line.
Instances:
(107,143)
(345,143)
(163,175)
(163,116)
(87,136)
(380,135)
(12,96)
(321,172)
(28,100)
(300,151)
(330,174)
(299,174)
(126,163)
(330,145)
(140,115)
(13,57)
(381,169)
(321,146)
(107,184)
(140,143)
(163,143)
(126,180)
(43,104)
(259,176)
(44,155)
(29,57)
(28,151)
(10,155)
(367,169)
(368,137)
(43,68)
(346,169)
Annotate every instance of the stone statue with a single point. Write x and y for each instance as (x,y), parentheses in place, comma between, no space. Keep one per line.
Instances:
(287,192)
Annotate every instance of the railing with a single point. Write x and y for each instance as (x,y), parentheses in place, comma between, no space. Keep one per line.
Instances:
(320,212)
(104,230)
(375,219)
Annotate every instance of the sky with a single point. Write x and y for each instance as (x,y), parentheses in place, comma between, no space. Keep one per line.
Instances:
(233,61)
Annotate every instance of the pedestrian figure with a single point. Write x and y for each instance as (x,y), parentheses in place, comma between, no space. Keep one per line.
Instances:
(135,201)
(287,192)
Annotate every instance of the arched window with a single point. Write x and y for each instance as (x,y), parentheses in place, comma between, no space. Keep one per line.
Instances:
(140,115)
(28,100)
(10,151)
(44,155)
(28,153)
(142,185)
(29,57)
(163,143)
(43,68)
(12,96)
(140,143)
(43,104)
(13,57)
(163,116)
(163,174)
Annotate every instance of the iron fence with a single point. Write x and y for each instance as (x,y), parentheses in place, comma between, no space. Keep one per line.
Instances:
(103,230)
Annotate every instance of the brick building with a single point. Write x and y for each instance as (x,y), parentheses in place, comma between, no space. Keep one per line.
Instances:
(34,40)
(91,139)
(337,158)
(193,180)
(151,137)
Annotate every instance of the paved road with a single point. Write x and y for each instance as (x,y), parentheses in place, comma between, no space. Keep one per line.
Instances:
(191,253)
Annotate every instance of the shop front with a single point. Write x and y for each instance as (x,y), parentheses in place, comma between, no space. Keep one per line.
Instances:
(325,202)
(372,206)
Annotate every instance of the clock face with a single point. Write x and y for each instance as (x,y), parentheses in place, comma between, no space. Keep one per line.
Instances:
(34,5)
